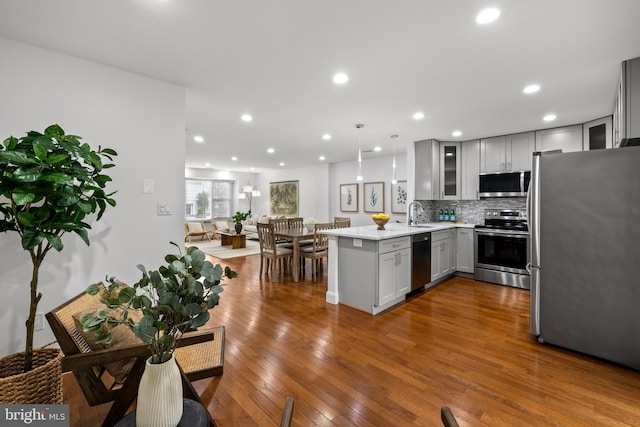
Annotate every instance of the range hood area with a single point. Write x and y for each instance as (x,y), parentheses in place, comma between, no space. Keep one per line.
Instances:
(626,114)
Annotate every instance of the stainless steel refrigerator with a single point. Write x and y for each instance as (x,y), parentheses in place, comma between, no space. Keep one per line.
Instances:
(584,223)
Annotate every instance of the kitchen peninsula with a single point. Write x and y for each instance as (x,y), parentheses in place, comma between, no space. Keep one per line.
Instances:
(370,269)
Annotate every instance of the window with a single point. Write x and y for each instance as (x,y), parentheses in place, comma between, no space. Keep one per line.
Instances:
(208,199)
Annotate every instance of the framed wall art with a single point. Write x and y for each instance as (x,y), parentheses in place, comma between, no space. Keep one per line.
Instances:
(349,197)
(399,197)
(373,196)
(283,198)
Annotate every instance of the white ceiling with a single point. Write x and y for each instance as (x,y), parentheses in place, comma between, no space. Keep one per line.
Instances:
(275,60)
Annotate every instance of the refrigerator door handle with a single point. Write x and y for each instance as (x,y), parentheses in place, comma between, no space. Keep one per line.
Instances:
(528,267)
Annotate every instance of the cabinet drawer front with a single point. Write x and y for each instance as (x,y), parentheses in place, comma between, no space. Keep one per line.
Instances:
(394,244)
(440,235)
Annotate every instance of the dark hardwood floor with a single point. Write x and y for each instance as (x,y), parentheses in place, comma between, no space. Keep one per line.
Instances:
(463,344)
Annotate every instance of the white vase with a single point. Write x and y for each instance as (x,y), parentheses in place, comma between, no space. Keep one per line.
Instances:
(159,395)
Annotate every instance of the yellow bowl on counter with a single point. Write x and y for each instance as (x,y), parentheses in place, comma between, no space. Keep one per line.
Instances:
(380,219)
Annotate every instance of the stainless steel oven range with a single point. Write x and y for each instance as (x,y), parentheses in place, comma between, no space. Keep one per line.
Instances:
(501,250)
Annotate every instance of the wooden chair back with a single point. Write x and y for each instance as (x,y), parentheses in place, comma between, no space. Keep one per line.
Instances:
(279,224)
(342,222)
(295,222)
(287,413)
(448,420)
(266,237)
(321,240)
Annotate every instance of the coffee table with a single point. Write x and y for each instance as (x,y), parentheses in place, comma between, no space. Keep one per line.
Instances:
(236,240)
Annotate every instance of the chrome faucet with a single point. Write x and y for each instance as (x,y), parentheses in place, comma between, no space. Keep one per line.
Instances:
(410,219)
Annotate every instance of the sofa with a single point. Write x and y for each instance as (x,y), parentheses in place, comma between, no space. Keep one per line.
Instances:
(250,226)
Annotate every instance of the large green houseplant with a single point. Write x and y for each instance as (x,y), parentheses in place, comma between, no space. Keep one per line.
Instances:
(168,302)
(171,300)
(49,183)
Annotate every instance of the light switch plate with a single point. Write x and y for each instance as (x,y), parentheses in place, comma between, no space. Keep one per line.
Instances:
(148,186)
(164,208)
(357,243)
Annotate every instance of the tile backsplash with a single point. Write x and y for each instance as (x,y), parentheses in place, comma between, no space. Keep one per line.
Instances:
(469,211)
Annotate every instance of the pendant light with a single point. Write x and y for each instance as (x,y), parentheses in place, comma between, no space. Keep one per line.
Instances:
(394,179)
(359,176)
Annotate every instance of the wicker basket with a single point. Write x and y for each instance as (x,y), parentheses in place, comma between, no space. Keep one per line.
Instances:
(41,385)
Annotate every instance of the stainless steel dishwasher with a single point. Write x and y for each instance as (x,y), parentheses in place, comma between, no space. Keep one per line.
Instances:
(421,260)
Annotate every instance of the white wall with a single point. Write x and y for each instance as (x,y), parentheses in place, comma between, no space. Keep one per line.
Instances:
(313,191)
(374,169)
(141,118)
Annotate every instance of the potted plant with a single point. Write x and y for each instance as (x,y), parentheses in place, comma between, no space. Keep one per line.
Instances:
(170,301)
(238,217)
(49,184)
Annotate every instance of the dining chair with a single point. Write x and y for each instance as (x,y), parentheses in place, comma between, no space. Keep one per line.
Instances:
(448,420)
(269,250)
(319,249)
(195,229)
(342,222)
(287,413)
(295,222)
(281,224)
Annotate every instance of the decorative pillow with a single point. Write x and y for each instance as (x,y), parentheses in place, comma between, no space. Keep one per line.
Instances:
(122,336)
(222,225)
(263,220)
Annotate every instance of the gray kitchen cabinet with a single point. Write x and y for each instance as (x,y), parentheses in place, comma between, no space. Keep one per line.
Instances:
(520,148)
(597,134)
(567,139)
(493,154)
(507,153)
(626,111)
(464,250)
(442,254)
(470,169)
(374,275)
(450,170)
(394,269)
(427,170)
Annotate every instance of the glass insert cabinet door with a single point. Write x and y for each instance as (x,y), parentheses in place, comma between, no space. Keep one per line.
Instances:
(450,170)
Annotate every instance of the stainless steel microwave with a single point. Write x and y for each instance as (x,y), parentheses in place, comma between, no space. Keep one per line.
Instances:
(504,184)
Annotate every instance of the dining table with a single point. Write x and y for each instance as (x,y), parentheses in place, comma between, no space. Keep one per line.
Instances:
(295,235)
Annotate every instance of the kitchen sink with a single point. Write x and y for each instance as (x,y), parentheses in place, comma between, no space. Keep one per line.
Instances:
(422,225)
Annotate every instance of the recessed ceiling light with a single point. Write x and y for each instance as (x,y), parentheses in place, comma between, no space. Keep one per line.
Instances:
(488,15)
(456,133)
(418,116)
(376,149)
(321,158)
(549,117)
(531,88)
(281,163)
(270,150)
(207,164)
(340,78)
(198,138)
(252,168)
(234,158)
(326,137)
(246,117)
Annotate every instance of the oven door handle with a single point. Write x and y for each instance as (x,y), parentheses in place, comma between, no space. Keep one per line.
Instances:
(518,234)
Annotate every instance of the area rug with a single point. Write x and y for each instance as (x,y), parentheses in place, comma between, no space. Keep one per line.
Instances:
(214,248)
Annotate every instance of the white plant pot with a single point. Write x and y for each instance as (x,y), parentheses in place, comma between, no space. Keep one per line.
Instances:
(160,395)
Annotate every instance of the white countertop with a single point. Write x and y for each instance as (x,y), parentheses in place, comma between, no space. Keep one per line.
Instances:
(371,232)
